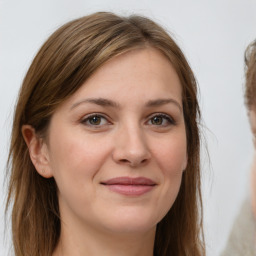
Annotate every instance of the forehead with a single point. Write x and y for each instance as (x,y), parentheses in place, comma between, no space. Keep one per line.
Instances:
(136,73)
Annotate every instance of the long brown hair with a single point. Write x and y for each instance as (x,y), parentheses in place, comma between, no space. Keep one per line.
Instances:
(250,85)
(71,55)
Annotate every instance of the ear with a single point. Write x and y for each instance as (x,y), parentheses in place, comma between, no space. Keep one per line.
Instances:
(38,151)
(252,119)
(185,163)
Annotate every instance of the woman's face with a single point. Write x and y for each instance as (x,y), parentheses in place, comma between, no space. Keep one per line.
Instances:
(252,118)
(117,147)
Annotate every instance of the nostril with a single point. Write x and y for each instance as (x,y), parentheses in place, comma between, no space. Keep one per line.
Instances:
(124,161)
(144,160)
(132,163)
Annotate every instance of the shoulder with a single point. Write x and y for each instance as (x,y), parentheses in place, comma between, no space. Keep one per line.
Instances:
(241,241)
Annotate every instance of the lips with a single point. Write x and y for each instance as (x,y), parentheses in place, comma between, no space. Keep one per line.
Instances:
(130,186)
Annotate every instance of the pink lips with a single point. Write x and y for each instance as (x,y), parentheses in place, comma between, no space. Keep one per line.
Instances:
(130,186)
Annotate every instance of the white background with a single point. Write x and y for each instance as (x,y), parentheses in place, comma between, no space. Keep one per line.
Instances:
(213,36)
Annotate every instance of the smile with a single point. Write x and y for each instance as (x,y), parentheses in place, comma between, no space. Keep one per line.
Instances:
(130,186)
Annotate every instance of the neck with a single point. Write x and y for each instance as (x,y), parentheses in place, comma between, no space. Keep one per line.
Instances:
(77,242)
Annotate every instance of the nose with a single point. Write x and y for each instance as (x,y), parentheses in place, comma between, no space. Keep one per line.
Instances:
(131,147)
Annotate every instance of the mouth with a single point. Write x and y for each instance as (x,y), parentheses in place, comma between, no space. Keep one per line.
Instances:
(129,186)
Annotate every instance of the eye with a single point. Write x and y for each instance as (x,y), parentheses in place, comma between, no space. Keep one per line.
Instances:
(95,120)
(161,120)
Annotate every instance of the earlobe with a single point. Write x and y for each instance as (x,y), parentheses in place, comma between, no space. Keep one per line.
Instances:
(185,163)
(37,150)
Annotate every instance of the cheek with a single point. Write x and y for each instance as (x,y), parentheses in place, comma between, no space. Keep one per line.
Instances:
(76,150)
(171,159)
(75,160)
(171,156)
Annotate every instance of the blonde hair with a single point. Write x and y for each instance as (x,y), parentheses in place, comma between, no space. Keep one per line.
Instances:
(69,57)
(250,84)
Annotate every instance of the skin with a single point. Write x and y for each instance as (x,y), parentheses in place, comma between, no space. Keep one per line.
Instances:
(140,132)
(252,118)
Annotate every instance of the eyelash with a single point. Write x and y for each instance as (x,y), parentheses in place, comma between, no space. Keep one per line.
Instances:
(168,118)
(97,115)
(86,119)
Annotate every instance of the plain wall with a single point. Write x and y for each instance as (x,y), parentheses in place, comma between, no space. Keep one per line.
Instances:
(213,36)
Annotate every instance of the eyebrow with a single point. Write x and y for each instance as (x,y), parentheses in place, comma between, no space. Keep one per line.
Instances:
(109,103)
(160,102)
(98,101)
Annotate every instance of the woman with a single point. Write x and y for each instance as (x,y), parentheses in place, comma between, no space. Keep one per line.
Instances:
(104,154)
(242,240)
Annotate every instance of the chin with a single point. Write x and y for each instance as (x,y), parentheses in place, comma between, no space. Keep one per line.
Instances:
(131,227)
(132,221)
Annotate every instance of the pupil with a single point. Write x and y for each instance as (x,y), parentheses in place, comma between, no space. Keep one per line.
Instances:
(95,120)
(157,120)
